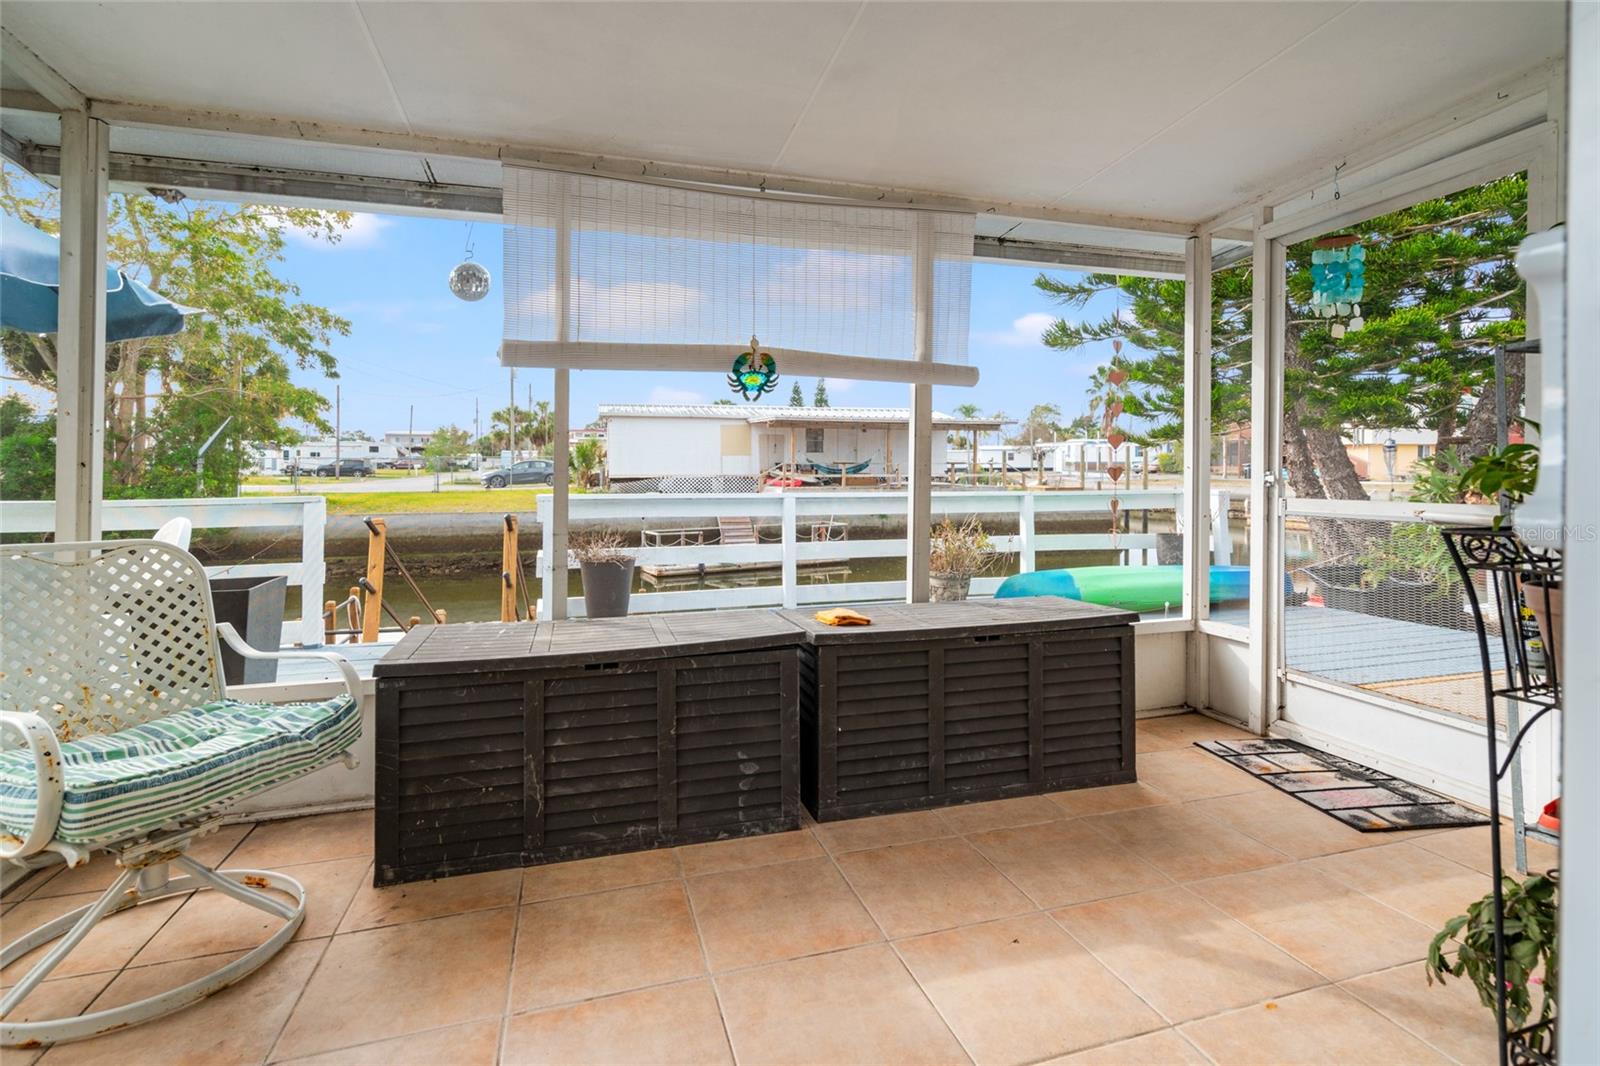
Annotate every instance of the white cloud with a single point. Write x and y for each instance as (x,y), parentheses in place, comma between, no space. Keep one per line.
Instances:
(1024,332)
(667,394)
(362,232)
(839,386)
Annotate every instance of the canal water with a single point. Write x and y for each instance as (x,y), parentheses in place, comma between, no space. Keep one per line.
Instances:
(475,597)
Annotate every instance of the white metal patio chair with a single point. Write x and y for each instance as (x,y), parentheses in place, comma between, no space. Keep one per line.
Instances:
(110,673)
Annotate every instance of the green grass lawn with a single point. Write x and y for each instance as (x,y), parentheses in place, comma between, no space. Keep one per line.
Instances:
(496,501)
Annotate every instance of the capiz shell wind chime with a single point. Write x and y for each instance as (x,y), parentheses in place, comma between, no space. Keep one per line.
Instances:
(1338,281)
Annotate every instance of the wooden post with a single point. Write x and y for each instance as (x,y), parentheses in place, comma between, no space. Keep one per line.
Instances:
(439,615)
(508,572)
(372,608)
(81,336)
(329,610)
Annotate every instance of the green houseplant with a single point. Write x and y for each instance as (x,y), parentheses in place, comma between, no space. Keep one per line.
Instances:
(1530,947)
(1510,474)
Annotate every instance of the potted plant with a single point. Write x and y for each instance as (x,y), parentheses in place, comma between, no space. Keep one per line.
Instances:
(1530,945)
(607,572)
(958,553)
(1410,569)
(1509,474)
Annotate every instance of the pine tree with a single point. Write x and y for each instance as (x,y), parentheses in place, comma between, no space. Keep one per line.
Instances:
(820,397)
(796,397)
(1441,295)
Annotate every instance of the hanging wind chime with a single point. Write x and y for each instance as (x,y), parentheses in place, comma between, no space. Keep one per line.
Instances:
(1338,277)
(1338,281)
(1111,411)
(469,280)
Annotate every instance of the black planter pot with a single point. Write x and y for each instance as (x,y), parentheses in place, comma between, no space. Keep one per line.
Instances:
(254,607)
(606,589)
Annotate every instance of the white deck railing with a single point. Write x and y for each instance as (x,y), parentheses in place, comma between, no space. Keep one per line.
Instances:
(796,512)
(310,513)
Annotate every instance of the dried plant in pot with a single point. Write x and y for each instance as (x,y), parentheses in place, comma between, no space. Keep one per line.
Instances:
(607,566)
(958,553)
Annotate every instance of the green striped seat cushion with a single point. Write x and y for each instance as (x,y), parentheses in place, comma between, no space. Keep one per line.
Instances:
(123,784)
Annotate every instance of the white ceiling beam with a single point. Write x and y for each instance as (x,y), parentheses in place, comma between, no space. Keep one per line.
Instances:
(1485,102)
(276,184)
(149,115)
(1077,257)
(199,177)
(42,76)
(26,100)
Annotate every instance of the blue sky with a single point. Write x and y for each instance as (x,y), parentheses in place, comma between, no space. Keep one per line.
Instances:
(412,342)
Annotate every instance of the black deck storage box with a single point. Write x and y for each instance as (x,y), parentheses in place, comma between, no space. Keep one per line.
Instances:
(501,744)
(943,703)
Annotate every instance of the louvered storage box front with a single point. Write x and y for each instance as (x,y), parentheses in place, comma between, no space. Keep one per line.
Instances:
(507,744)
(937,704)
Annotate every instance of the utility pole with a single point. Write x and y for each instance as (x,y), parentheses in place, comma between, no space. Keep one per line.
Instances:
(338,430)
(477,429)
(411,424)
(533,428)
(512,425)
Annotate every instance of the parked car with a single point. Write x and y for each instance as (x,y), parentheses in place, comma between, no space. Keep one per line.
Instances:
(527,472)
(347,468)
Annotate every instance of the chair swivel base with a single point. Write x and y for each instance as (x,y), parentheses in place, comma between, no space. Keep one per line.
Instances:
(126,893)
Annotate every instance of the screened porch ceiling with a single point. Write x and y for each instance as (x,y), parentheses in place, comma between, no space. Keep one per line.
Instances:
(1078,125)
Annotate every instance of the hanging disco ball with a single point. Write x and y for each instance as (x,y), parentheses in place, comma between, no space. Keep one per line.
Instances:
(470,281)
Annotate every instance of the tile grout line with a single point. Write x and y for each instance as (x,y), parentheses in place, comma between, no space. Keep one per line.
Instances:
(127,963)
(705,953)
(937,1013)
(504,1028)
(323,954)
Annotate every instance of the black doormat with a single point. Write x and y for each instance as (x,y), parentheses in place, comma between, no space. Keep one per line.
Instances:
(1360,797)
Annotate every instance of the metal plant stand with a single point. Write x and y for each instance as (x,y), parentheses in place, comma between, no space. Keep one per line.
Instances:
(1512,575)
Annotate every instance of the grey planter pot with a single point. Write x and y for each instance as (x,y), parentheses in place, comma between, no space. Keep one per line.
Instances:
(254,607)
(606,588)
(948,588)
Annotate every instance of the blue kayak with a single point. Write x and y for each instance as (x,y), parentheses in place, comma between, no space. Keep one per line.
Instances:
(1132,588)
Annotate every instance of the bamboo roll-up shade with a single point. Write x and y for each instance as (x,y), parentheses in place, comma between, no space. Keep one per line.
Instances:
(655,276)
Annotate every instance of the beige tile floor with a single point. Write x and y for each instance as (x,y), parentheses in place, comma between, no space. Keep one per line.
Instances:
(1195,917)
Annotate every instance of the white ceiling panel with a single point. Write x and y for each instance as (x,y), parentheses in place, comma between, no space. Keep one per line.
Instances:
(1327,95)
(712,83)
(1163,110)
(1023,101)
(309,60)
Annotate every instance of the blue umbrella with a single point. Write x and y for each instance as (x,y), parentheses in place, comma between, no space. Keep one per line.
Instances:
(30,283)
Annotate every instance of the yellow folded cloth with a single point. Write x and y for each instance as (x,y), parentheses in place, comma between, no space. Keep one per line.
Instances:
(842,616)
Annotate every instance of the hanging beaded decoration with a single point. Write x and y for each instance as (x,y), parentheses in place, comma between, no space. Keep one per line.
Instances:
(754,372)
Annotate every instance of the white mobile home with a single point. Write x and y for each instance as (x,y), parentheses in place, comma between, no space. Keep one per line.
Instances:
(280,458)
(711,440)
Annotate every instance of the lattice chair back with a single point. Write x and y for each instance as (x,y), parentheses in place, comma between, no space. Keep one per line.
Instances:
(98,638)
